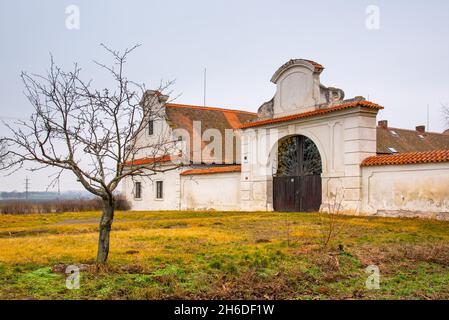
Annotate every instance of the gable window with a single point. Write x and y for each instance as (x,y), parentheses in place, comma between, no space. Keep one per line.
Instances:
(137,190)
(159,189)
(151,127)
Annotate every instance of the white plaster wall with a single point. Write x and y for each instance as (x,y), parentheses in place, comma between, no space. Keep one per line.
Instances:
(406,190)
(162,133)
(148,201)
(343,139)
(219,192)
(296,90)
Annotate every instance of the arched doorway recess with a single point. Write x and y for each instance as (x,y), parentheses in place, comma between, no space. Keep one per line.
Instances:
(297,180)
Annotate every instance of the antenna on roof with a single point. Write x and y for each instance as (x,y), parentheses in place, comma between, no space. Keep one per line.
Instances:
(204,88)
(204,98)
(428,120)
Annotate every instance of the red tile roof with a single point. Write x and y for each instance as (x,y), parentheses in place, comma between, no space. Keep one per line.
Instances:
(144,161)
(403,140)
(213,170)
(407,158)
(176,105)
(318,67)
(181,116)
(344,106)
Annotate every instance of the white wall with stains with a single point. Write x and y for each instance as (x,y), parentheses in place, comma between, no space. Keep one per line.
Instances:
(343,139)
(148,200)
(219,191)
(413,190)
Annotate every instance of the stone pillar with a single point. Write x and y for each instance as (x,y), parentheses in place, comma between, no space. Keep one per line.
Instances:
(256,176)
(359,143)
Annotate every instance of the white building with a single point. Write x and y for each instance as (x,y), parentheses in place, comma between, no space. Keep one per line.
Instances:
(307,149)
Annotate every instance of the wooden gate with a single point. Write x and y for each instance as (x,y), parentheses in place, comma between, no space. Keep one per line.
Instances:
(297,182)
(297,193)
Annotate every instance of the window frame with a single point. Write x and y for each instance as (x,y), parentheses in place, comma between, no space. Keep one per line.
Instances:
(150,130)
(137,190)
(159,192)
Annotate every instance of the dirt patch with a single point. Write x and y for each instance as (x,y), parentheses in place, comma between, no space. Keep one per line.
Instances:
(176,225)
(40,232)
(62,268)
(433,253)
(79,221)
(24,233)
(252,286)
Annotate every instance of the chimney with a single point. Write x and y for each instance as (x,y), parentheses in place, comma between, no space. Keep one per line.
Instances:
(383,124)
(421,129)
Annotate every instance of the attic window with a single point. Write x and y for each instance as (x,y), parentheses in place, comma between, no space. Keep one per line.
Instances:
(420,136)
(394,133)
(392,150)
(150,127)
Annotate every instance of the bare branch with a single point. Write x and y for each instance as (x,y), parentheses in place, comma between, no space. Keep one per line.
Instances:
(90,132)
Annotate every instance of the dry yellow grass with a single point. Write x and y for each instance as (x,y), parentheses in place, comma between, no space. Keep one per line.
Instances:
(190,254)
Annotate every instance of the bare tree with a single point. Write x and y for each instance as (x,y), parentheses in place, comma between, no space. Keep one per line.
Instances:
(330,216)
(90,132)
(3,152)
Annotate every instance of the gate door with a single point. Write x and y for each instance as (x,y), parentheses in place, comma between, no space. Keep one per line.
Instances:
(297,183)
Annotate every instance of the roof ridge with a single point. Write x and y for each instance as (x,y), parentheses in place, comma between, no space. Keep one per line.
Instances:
(213,170)
(411,130)
(338,107)
(432,156)
(177,105)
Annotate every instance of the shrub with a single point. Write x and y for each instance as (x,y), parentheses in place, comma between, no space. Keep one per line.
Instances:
(58,206)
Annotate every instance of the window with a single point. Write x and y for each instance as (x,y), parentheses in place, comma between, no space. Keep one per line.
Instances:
(394,133)
(137,190)
(150,127)
(159,189)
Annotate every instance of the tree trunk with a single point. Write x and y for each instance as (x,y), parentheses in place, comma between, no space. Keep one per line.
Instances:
(105,230)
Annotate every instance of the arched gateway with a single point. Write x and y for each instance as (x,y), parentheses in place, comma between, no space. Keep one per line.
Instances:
(297,179)
(305,149)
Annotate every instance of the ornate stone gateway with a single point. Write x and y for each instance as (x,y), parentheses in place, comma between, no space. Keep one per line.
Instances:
(297,182)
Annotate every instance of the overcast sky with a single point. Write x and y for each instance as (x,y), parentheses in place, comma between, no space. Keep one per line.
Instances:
(403,65)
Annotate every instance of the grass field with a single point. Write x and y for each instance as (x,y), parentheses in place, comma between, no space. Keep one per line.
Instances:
(213,255)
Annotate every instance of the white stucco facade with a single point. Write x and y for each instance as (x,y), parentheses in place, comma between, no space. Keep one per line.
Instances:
(148,201)
(211,192)
(343,139)
(343,131)
(414,190)
(218,192)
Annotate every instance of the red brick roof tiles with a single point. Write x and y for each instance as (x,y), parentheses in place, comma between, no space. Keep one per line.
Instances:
(343,106)
(407,158)
(145,161)
(212,170)
(175,105)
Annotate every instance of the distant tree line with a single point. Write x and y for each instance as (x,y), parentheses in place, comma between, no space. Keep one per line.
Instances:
(58,206)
